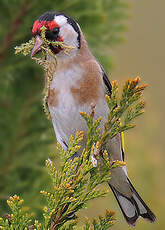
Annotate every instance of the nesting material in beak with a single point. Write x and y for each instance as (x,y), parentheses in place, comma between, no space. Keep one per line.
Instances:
(37,45)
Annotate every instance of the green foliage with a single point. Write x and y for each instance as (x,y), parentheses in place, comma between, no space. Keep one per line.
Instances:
(77,180)
(128,107)
(26,135)
(19,219)
(102,222)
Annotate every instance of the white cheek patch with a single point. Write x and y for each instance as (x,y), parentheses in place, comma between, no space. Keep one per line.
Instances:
(60,20)
(69,35)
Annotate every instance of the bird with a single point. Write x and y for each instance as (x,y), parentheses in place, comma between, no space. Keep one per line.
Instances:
(79,82)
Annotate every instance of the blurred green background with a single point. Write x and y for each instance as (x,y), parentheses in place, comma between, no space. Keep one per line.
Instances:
(27,138)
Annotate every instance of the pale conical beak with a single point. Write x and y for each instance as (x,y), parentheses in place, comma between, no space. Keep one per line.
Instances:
(37,45)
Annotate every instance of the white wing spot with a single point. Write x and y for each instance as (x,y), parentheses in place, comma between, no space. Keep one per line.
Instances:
(127,206)
(140,205)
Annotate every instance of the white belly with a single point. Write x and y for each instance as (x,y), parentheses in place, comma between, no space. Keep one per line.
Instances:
(66,116)
(67,120)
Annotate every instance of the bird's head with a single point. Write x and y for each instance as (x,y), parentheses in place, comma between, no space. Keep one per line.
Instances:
(59,27)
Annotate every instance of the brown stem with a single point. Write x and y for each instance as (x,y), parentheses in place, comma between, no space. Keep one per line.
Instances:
(57,218)
(13,29)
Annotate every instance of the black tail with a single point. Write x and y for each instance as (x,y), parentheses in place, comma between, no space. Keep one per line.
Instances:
(133,207)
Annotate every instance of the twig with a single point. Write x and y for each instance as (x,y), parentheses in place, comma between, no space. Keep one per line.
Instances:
(13,30)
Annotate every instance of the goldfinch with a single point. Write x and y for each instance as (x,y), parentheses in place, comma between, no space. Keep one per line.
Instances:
(78,82)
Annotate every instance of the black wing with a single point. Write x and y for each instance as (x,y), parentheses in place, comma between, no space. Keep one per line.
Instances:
(106,82)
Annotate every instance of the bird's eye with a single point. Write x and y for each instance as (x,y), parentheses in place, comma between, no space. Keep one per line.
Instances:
(56,30)
(53,34)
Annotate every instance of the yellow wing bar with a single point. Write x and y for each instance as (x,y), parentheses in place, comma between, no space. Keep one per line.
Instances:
(122,140)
